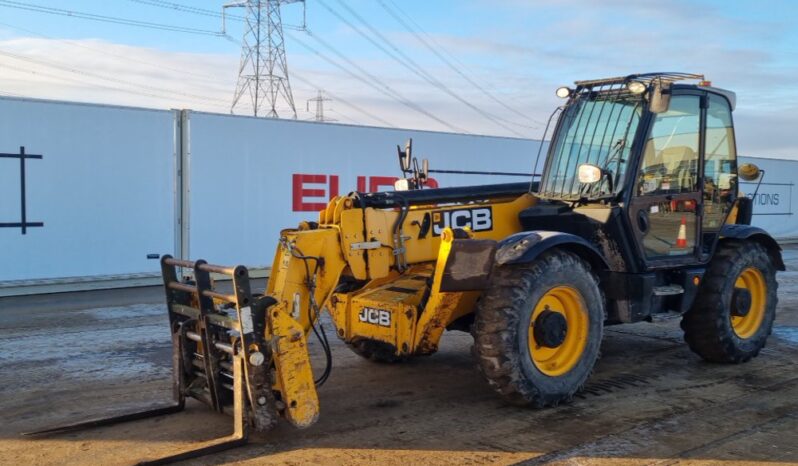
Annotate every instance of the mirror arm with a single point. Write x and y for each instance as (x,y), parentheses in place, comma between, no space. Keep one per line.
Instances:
(610,181)
(758,184)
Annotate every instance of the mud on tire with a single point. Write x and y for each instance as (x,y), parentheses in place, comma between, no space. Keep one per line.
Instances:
(707,326)
(501,329)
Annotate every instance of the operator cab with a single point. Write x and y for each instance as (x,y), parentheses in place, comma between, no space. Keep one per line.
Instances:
(644,167)
(661,151)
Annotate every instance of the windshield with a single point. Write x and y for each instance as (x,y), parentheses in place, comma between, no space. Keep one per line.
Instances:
(596,127)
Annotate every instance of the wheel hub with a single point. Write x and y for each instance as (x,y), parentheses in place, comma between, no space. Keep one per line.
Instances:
(550,329)
(741,302)
(558,331)
(748,302)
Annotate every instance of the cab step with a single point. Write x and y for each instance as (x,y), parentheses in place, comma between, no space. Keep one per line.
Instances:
(668,290)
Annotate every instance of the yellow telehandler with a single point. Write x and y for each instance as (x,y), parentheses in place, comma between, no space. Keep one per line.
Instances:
(637,212)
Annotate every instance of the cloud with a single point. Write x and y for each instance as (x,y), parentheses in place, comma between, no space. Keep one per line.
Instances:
(99,71)
(519,53)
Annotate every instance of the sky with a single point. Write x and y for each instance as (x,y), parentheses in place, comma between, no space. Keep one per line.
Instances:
(477,66)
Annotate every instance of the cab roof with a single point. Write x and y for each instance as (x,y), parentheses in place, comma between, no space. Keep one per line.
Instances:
(669,77)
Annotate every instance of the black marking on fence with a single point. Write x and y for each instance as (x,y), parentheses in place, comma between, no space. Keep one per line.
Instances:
(23,224)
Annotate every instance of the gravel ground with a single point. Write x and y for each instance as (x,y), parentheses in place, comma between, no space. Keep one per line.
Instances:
(69,357)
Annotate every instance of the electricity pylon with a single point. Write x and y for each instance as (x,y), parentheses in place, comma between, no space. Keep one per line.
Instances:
(319,101)
(263,73)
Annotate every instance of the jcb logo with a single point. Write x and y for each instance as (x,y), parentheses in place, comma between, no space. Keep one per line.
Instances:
(379,317)
(477,219)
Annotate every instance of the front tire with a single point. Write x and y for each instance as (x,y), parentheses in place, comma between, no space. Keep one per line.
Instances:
(538,329)
(733,313)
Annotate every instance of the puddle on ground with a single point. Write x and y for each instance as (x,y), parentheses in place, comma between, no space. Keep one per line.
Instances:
(788,334)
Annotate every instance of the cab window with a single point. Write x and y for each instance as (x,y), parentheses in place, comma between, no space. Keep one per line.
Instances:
(668,180)
(670,156)
(720,164)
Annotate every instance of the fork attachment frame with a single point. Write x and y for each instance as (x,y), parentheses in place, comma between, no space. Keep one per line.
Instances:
(217,358)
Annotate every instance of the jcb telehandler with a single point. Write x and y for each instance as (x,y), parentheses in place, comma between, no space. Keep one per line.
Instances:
(638,211)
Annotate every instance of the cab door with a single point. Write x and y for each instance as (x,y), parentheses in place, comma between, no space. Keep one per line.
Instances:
(665,205)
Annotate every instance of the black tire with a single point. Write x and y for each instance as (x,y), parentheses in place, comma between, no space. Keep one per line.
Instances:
(707,325)
(376,351)
(502,325)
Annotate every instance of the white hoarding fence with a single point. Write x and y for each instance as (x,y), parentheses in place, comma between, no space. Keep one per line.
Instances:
(774,201)
(252,177)
(96,203)
(101,191)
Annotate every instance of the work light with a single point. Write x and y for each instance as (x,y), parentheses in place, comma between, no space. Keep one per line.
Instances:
(636,87)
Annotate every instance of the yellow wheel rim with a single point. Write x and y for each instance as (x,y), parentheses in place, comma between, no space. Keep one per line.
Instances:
(752,280)
(558,360)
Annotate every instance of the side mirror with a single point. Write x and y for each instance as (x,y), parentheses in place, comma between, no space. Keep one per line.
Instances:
(589,173)
(406,157)
(425,169)
(660,97)
(749,171)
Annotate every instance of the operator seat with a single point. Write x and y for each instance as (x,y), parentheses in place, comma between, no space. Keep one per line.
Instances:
(677,163)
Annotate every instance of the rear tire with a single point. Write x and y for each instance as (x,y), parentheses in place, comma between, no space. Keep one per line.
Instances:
(526,367)
(710,328)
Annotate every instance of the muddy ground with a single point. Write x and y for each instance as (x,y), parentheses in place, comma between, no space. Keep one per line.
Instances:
(68,357)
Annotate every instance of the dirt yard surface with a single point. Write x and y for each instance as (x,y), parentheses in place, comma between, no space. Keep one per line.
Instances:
(70,357)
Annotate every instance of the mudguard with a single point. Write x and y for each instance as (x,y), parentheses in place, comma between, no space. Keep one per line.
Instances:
(750,232)
(526,246)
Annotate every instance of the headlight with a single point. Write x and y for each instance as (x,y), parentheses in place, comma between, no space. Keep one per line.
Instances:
(564,92)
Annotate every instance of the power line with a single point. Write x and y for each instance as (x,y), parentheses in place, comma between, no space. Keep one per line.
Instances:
(455,68)
(372,80)
(411,20)
(107,19)
(408,62)
(160,96)
(83,82)
(126,58)
(188,9)
(105,78)
(345,102)
(206,12)
(344,116)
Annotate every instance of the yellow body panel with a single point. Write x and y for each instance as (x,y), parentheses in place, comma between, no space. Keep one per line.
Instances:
(379,224)
(385,310)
